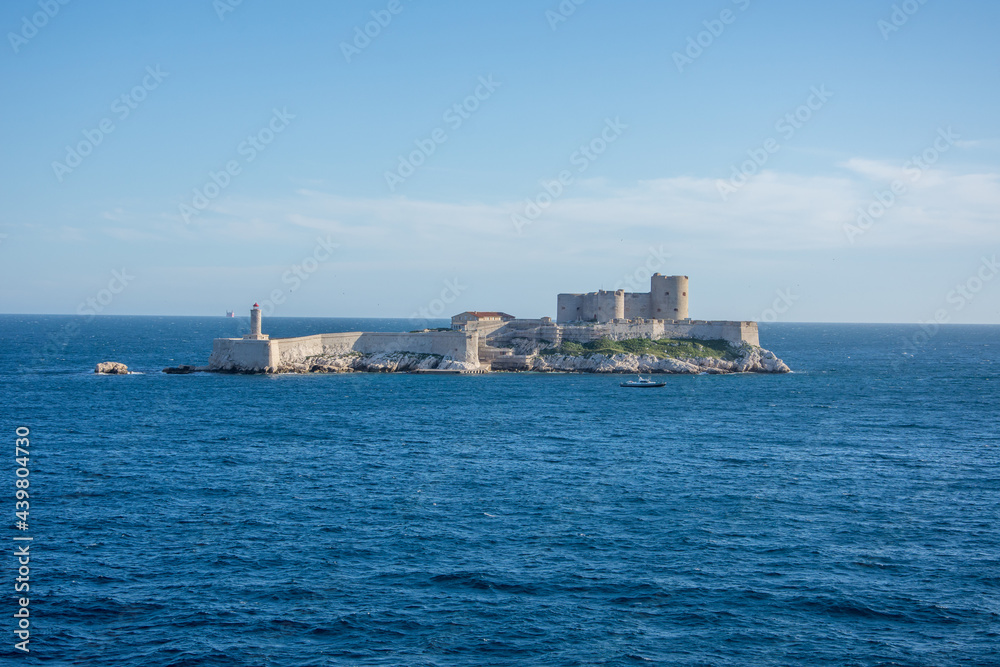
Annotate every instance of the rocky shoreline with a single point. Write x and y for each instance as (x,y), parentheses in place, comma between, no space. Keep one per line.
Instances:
(749,360)
(396,362)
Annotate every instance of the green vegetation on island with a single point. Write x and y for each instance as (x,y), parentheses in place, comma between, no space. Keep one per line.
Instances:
(665,348)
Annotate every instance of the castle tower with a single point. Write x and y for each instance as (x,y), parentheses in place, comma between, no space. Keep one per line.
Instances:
(681,289)
(668,297)
(610,305)
(255,331)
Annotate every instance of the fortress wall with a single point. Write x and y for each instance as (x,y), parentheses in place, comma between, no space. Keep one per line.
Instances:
(610,305)
(459,347)
(550,334)
(588,307)
(340,343)
(731,331)
(296,349)
(455,344)
(734,332)
(239,354)
(637,306)
(569,307)
(388,343)
(256,356)
(523,324)
(750,332)
(483,328)
(623,331)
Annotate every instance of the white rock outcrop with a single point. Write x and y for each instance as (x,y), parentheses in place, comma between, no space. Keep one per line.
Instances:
(111,368)
(751,360)
(391,362)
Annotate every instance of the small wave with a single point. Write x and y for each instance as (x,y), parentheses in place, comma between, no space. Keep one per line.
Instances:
(479,582)
(848,608)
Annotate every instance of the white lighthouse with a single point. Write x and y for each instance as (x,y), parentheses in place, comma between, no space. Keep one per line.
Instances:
(255,333)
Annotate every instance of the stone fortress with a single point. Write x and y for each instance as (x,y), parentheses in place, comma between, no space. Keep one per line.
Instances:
(480,341)
(667,299)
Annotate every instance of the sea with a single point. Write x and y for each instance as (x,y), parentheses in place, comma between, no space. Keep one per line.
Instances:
(846,514)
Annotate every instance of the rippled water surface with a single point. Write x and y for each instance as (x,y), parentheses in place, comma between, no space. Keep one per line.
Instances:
(847,514)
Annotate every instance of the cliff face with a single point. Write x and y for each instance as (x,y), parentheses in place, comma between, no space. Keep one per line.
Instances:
(637,355)
(354,362)
(750,360)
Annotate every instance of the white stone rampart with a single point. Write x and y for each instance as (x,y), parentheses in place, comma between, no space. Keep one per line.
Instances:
(263,356)
(243,355)
(734,332)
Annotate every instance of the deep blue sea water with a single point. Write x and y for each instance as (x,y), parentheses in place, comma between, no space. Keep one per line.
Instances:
(847,514)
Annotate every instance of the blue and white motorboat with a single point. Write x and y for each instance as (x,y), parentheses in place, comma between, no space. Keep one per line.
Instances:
(644,383)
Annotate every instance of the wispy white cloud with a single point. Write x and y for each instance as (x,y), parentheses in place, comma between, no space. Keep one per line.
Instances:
(774,211)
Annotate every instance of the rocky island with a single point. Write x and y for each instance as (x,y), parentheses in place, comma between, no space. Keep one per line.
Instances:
(597,332)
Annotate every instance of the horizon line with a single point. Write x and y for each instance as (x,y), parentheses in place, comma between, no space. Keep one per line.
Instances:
(446,319)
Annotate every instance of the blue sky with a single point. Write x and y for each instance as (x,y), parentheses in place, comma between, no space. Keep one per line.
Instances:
(743,161)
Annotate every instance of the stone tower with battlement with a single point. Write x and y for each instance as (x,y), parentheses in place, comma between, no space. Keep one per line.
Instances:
(667,299)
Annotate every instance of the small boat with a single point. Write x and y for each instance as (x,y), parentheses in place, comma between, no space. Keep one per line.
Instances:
(230,313)
(643,383)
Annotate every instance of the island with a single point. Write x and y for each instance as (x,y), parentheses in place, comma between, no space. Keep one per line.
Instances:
(596,332)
